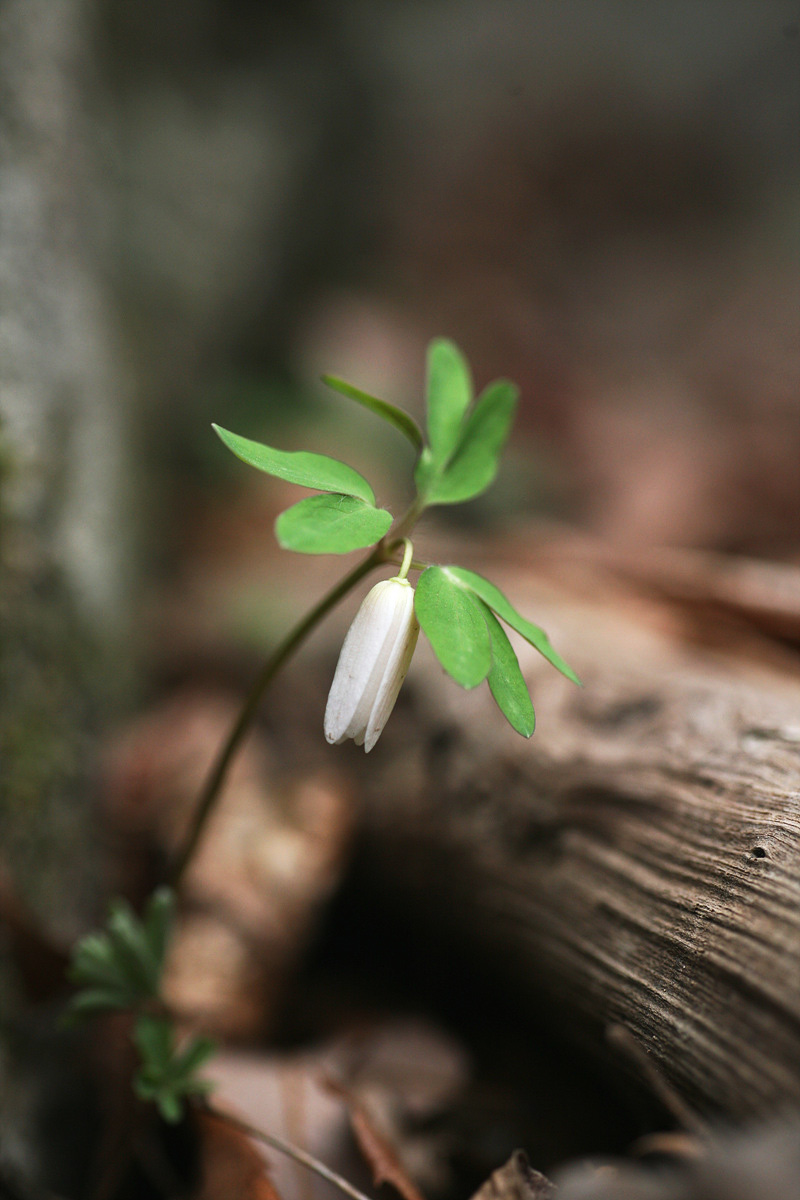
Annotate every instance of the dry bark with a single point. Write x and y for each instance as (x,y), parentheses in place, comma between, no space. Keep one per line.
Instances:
(636,863)
(761,1162)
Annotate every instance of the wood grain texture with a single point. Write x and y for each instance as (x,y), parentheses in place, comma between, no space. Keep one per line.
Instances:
(636,862)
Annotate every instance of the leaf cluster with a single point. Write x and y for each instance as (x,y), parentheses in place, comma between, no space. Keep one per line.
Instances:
(120,966)
(168,1075)
(458,462)
(465,440)
(459,611)
(342,519)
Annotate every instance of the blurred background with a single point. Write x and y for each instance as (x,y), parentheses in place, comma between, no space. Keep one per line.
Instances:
(204,205)
(207,203)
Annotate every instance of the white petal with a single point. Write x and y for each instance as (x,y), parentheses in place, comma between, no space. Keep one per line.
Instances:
(393,676)
(362,661)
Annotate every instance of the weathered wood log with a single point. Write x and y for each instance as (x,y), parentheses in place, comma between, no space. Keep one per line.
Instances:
(759,1162)
(637,862)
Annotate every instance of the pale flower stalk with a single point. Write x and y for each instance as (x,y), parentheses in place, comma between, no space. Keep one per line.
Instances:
(373,663)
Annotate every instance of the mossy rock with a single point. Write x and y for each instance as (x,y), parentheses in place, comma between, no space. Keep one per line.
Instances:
(55,694)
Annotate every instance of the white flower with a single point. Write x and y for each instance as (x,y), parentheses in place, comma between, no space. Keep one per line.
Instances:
(372,665)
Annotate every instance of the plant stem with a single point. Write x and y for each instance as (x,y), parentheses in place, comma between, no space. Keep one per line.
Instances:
(290,643)
(219,770)
(408,558)
(406,523)
(300,1156)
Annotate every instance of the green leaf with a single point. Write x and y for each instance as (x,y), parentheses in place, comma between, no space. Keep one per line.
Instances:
(153,1037)
(452,619)
(198,1052)
(94,1000)
(449,397)
(301,467)
(93,961)
(331,525)
(168,1100)
(132,952)
(506,682)
(497,602)
(474,464)
(424,470)
(170,1106)
(120,966)
(157,924)
(166,1077)
(395,416)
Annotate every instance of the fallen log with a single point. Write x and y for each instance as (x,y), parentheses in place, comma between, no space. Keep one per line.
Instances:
(637,863)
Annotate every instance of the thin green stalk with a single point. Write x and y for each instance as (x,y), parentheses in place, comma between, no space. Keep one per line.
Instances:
(408,558)
(290,643)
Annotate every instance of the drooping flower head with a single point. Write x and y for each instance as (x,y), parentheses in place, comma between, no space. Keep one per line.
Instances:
(372,665)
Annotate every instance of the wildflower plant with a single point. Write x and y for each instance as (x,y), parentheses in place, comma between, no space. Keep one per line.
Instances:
(462,614)
(457,609)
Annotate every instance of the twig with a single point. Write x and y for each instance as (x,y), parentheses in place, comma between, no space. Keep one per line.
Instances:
(299,1156)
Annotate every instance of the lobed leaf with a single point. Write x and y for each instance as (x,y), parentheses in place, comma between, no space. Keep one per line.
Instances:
(132,952)
(497,602)
(93,961)
(170,1105)
(474,464)
(299,466)
(198,1052)
(118,965)
(449,395)
(165,1076)
(395,416)
(95,1000)
(506,681)
(157,924)
(452,619)
(331,524)
(153,1037)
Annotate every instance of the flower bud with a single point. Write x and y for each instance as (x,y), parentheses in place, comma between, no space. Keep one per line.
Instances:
(372,665)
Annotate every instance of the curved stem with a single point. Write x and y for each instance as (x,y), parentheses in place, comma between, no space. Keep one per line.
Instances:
(290,643)
(408,558)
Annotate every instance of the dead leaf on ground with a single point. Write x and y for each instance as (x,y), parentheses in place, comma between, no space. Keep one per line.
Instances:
(281,1094)
(379,1154)
(408,1074)
(231,1166)
(516,1180)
